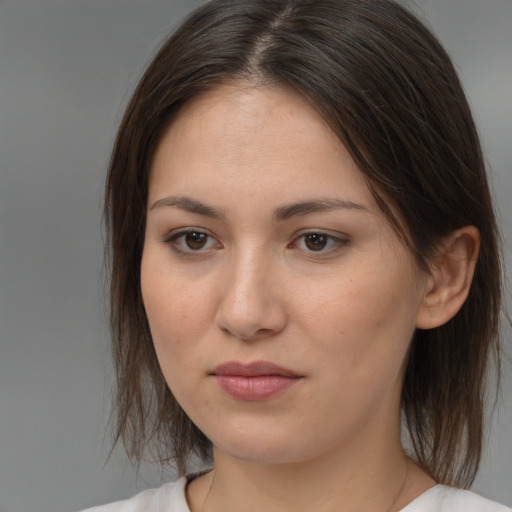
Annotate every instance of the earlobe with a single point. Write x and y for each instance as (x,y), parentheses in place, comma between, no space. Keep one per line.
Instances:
(451,275)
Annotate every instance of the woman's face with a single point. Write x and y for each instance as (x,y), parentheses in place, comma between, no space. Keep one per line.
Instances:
(280,301)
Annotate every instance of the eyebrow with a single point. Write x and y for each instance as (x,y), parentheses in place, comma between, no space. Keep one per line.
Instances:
(315,206)
(190,205)
(282,213)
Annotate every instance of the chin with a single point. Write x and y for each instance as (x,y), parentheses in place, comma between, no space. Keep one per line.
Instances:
(261,455)
(266,448)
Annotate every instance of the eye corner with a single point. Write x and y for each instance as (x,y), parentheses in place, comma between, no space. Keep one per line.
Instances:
(191,242)
(319,243)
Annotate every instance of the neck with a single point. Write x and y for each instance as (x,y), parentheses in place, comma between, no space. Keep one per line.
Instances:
(359,478)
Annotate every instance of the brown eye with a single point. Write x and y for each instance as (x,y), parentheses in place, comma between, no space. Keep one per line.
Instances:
(324,244)
(316,241)
(196,240)
(189,242)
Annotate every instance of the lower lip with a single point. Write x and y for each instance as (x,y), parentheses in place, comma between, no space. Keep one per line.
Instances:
(256,388)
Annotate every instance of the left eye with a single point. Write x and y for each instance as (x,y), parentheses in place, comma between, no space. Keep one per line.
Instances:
(192,241)
(317,242)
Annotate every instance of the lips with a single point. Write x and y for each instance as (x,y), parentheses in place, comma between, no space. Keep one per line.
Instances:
(256,381)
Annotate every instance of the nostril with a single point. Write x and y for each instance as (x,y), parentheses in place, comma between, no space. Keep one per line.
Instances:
(264,332)
(259,334)
(248,336)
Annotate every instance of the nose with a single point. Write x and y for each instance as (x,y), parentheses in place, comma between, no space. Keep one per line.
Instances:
(252,305)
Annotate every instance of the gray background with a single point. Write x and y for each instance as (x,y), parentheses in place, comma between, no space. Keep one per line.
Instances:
(66,70)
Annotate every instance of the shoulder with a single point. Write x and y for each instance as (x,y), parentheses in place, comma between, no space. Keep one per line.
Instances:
(442,498)
(168,498)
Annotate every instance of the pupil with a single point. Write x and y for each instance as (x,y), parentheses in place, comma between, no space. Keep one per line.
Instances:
(316,242)
(195,240)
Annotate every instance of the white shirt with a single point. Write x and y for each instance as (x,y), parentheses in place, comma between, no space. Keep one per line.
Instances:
(171,498)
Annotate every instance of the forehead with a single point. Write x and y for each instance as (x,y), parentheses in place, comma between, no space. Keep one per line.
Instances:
(241,131)
(246,105)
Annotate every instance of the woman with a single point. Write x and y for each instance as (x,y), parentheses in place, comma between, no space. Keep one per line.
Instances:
(304,264)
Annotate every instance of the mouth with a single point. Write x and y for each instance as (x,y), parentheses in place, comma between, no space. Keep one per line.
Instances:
(256,381)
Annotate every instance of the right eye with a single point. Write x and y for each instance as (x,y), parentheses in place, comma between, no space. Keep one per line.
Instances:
(192,240)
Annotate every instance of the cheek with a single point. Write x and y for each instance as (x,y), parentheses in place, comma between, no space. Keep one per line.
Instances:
(174,320)
(176,311)
(363,318)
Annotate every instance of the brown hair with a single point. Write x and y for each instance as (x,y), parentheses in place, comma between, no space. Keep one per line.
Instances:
(387,88)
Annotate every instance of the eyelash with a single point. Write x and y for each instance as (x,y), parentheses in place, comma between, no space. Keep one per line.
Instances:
(335,242)
(177,242)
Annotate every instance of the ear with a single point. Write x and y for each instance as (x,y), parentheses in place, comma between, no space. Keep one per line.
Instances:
(451,275)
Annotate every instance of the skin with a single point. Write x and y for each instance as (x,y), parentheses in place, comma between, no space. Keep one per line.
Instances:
(250,288)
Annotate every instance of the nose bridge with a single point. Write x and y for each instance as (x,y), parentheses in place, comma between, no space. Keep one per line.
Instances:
(251,306)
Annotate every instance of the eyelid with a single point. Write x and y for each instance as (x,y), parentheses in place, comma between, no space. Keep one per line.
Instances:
(340,240)
(174,236)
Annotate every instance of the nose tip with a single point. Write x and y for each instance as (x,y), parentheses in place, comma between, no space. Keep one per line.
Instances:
(251,307)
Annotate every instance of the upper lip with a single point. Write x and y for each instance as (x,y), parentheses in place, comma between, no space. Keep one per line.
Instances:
(254,369)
